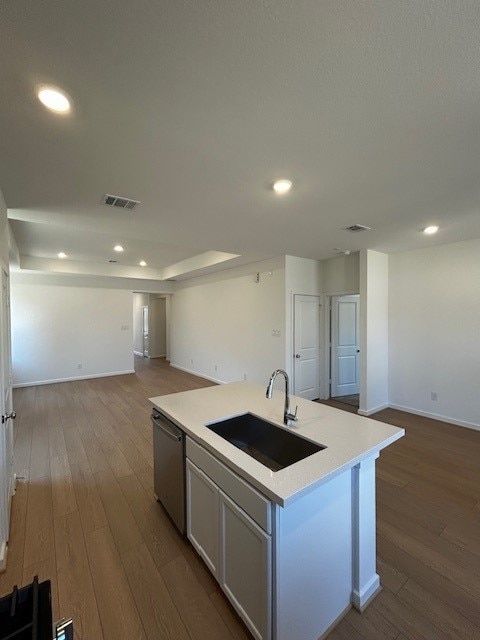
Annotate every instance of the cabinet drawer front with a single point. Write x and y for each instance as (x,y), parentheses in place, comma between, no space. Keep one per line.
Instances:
(248,498)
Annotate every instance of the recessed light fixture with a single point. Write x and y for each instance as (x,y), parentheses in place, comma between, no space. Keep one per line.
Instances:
(283,186)
(118,248)
(62,255)
(54,99)
(142,263)
(430,230)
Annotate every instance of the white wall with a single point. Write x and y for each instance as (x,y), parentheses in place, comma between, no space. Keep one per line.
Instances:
(302,277)
(341,275)
(140,300)
(168,302)
(226,319)
(434,319)
(54,328)
(93,282)
(3,232)
(373,331)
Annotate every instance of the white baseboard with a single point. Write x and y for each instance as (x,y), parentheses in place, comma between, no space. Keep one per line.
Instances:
(369,591)
(436,416)
(380,407)
(424,414)
(89,377)
(162,355)
(138,353)
(195,373)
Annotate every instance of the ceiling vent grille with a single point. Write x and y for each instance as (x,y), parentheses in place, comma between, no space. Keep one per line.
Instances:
(118,201)
(357,227)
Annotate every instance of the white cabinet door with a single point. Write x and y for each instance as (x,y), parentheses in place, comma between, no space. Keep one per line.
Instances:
(246,576)
(203,529)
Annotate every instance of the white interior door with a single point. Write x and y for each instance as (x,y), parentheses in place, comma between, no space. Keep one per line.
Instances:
(145,331)
(345,351)
(6,409)
(306,345)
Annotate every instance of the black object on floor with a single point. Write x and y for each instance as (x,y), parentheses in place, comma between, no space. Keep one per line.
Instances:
(26,613)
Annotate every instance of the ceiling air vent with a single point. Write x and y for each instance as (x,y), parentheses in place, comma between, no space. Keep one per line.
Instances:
(357,227)
(117,201)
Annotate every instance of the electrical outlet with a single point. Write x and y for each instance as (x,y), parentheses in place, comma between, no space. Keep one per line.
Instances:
(191,360)
(276,333)
(244,376)
(434,395)
(216,368)
(79,365)
(124,327)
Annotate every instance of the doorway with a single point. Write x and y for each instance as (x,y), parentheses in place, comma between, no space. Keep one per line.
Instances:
(345,349)
(306,346)
(145,331)
(150,326)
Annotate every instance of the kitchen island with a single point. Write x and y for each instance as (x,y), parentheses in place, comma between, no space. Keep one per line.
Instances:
(291,548)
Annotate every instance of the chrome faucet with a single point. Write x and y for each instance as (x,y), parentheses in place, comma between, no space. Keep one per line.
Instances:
(287,416)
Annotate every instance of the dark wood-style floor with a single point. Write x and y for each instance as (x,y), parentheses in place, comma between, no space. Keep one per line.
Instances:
(353,400)
(87,520)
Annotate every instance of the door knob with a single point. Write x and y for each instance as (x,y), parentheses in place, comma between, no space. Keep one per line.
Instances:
(12,415)
(297,355)
(358,350)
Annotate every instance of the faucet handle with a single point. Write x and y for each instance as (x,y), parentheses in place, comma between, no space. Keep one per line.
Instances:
(292,417)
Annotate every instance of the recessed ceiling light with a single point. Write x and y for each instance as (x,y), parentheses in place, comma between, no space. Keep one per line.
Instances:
(142,263)
(430,230)
(54,99)
(282,186)
(62,255)
(118,248)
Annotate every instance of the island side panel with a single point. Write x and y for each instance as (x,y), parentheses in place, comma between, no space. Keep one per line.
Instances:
(366,581)
(313,561)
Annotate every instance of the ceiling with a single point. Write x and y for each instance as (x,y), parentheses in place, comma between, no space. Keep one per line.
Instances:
(46,241)
(194,108)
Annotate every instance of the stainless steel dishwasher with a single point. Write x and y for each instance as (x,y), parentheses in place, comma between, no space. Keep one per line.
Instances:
(169,467)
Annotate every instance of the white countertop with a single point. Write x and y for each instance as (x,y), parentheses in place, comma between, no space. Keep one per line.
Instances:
(348,437)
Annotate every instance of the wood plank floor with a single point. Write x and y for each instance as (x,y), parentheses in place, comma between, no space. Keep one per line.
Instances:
(87,520)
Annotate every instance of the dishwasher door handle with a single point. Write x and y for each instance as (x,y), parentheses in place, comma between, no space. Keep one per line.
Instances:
(165,429)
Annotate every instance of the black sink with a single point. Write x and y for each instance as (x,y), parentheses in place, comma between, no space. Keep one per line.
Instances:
(274,447)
